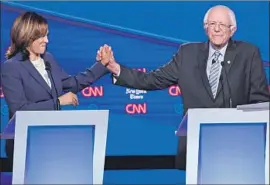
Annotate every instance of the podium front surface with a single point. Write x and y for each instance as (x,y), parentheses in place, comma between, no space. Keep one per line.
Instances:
(60,147)
(226,146)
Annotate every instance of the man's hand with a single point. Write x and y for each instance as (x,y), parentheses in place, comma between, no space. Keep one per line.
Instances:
(105,56)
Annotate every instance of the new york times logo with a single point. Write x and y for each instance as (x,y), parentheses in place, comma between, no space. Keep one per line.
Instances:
(135,94)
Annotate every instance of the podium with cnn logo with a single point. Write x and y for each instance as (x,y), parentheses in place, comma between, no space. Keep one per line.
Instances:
(227,146)
(58,147)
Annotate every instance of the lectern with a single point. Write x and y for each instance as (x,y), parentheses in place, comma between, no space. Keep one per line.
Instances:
(58,147)
(227,146)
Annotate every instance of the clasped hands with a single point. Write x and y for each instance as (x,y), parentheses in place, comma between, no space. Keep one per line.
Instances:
(105,56)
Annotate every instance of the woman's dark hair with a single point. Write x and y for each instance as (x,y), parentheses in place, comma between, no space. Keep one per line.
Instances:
(26,28)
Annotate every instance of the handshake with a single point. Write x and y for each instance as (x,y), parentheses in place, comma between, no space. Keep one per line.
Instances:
(105,56)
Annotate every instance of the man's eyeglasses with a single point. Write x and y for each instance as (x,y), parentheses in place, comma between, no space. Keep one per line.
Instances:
(222,26)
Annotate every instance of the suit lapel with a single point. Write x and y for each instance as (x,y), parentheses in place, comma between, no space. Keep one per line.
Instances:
(56,81)
(229,58)
(36,75)
(202,58)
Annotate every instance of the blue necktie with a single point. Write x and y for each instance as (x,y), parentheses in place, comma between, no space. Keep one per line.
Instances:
(214,74)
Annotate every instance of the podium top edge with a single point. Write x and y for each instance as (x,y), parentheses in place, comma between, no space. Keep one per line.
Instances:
(42,111)
(18,113)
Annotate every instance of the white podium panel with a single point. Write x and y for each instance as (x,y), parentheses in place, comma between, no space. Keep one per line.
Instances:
(227,146)
(60,147)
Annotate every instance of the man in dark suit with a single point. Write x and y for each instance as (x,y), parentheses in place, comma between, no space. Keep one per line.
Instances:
(216,74)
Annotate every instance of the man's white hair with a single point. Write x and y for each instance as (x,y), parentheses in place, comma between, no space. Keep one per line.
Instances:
(230,12)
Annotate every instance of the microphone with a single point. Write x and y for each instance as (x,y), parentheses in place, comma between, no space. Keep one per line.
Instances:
(222,86)
(48,69)
(229,87)
(47,66)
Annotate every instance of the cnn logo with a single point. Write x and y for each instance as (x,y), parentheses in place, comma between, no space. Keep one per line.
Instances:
(93,91)
(174,90)
(136,108)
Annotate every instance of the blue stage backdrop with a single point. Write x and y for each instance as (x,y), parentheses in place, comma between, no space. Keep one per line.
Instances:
(143,35)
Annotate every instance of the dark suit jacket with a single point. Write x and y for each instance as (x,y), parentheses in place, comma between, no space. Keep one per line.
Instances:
(187,69)
(25,89)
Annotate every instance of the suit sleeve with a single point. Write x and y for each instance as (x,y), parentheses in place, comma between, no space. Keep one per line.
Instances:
(77,83)
(158,79)
(258,89)
(13,90)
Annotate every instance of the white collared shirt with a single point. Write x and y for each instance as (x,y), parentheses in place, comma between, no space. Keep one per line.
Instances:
(40,66)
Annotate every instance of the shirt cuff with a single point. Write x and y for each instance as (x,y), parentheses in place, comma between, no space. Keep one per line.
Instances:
(116,75)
